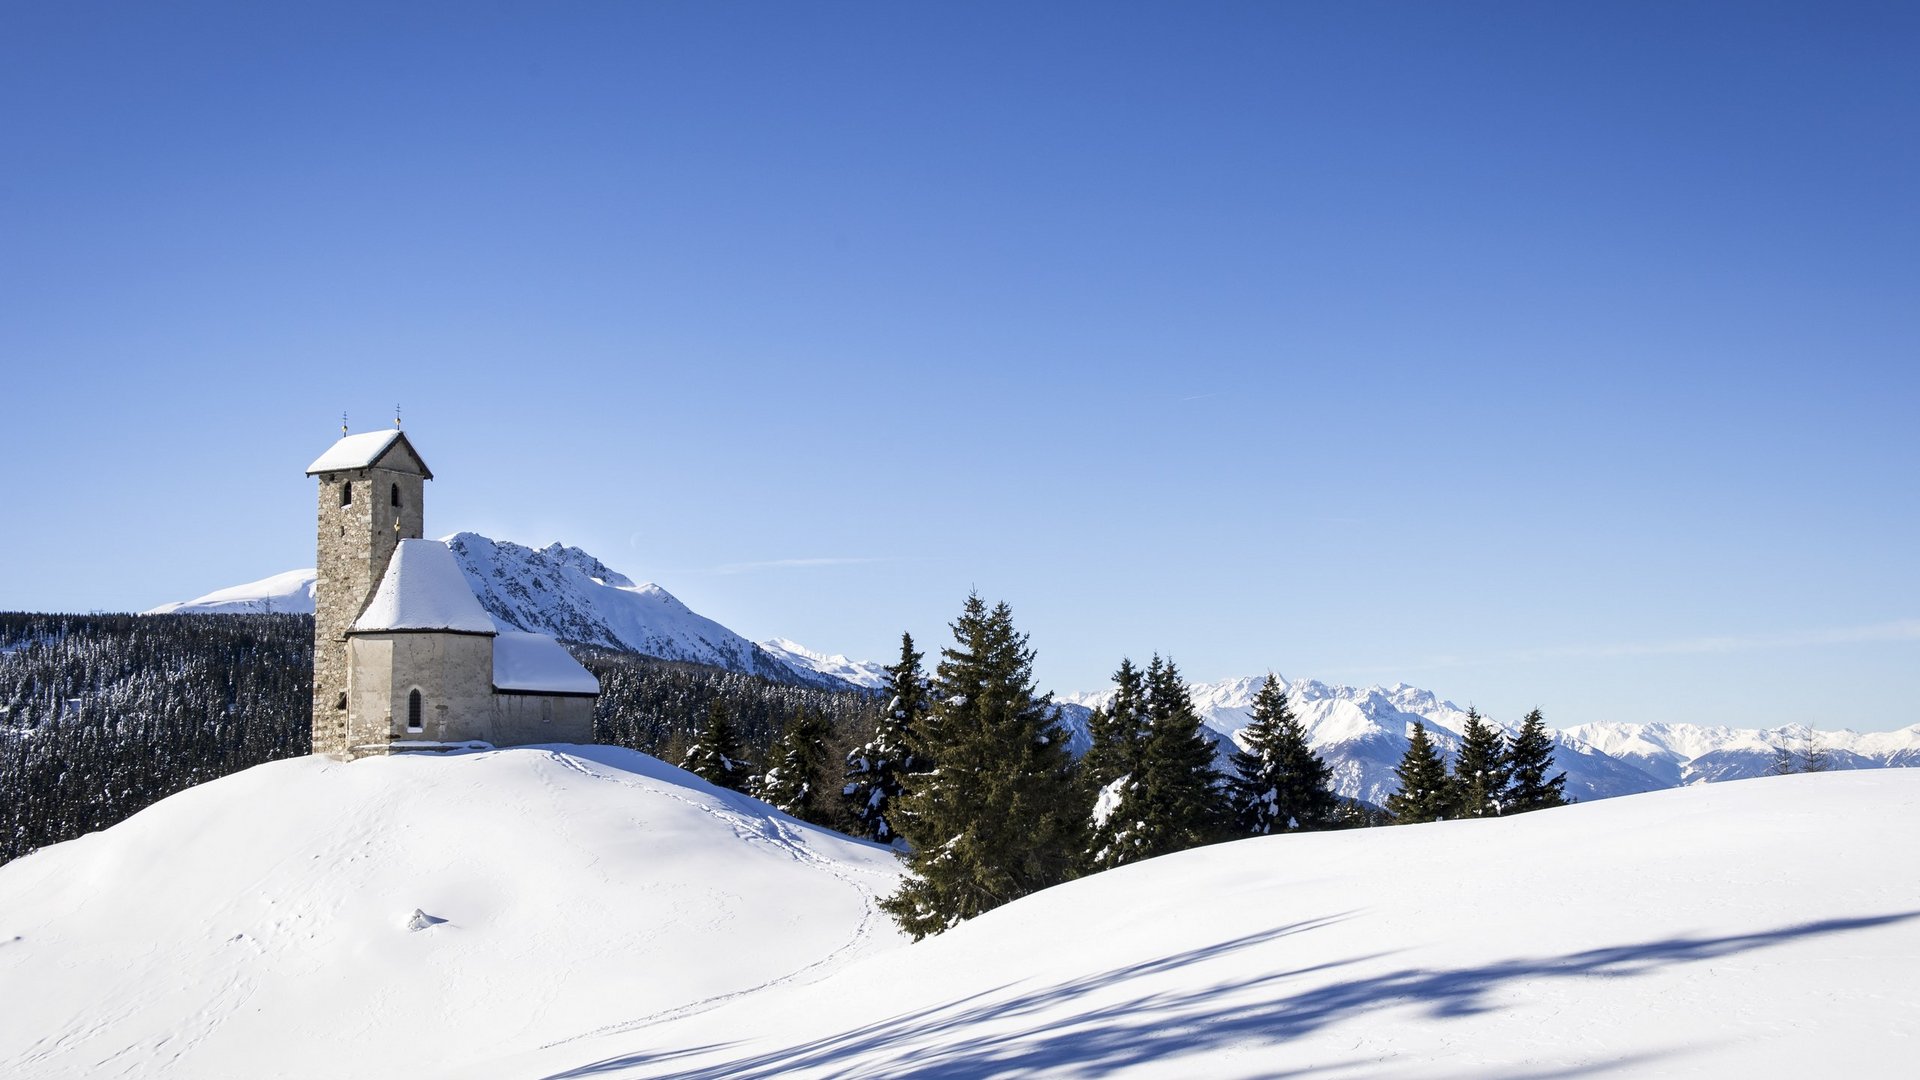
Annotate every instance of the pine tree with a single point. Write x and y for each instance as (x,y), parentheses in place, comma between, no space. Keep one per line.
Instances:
(1530,760)
(1480,770)
(997,818)
(715,755)
(1116,732)
(1280,784)
(1425,794)
(1116,735)
(1174,799)
(879,771)
(800,757)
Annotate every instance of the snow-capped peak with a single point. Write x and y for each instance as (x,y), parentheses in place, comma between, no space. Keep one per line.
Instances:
(862,673)
(569,594)
(1361,732)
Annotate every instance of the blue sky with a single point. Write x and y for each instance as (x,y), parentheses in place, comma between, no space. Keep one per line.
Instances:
(1537,354)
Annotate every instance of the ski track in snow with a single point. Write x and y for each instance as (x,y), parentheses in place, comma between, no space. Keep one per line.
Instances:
(786,838)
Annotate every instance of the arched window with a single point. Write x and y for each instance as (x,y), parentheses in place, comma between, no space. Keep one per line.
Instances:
(346,493)
(413,711)
(396,495)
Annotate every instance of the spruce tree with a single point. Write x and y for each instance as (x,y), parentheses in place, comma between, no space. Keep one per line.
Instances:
(879,771)
(1425,794)
(997,818)
(793,784)
(1174,799)
(1117,731)
(1530,760)
(1480,770)
(715,755)
(1280,784)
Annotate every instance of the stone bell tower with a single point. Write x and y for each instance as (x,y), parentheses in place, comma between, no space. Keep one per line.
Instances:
(371,487)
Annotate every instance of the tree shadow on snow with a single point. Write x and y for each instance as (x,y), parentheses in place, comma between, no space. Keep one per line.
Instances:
(1100,1040)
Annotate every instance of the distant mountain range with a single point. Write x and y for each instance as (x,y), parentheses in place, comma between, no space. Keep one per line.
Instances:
(1361,732)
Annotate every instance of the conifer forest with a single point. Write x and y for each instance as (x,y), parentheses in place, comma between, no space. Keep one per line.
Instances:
(103,715)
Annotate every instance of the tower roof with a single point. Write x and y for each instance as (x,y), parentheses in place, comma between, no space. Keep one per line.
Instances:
(424,590)
(362,450)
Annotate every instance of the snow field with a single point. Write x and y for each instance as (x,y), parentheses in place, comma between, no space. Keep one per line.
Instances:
(258,925)
(1759,928)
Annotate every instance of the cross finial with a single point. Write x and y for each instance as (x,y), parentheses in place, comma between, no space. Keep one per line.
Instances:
(343,423)
(396,416)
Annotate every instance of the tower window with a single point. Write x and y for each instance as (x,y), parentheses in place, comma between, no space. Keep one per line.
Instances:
(396,495)
(346,493)
(413,711)
(341,702)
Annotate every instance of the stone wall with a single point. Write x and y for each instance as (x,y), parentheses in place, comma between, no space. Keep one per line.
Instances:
(452,671)
(520,719)
(355,542)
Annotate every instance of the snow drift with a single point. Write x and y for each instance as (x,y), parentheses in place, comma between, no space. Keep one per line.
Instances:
(403,916)
(1768,927)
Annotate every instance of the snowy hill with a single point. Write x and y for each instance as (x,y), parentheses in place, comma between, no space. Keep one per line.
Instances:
(588,911)
(289,593)
(1748,929)
(263,924)
(1362,733)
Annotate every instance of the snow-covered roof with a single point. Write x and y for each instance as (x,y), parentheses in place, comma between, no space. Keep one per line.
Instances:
(362,450)
(424,590)
(538,663)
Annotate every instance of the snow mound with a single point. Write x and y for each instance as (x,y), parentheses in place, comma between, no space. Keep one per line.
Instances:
(1759,928)
(422,921)
(290,593)
(259,925)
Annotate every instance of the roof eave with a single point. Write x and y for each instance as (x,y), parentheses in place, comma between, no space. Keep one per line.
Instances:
(400,437)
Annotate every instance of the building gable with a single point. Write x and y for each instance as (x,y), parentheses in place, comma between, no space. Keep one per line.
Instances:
(371,449)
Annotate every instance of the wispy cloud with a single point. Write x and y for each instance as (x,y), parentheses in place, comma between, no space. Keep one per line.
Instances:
(796,564)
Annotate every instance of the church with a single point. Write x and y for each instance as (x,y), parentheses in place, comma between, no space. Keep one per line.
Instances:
(405,658)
